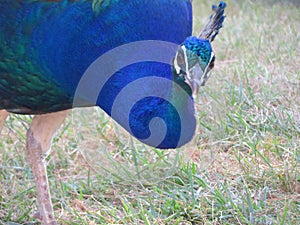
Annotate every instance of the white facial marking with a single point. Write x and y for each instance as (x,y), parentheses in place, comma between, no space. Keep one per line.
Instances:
(177,67)
(186,62)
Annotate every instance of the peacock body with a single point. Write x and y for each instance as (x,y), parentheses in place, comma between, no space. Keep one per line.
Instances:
(46,47)
(135,59)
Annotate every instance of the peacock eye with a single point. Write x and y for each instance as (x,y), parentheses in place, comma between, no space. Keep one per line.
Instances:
(181,78)
(181,75)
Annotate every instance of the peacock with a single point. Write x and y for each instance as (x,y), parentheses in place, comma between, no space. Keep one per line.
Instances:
(135,59)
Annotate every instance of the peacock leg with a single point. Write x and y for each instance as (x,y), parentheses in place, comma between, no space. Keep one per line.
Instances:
(39,139)
(3,115)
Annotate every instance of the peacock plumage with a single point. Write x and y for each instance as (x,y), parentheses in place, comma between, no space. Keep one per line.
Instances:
(135,59)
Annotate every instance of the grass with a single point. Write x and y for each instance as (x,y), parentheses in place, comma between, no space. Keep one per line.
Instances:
(241,168)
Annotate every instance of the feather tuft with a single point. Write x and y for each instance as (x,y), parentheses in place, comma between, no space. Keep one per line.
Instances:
(215,23)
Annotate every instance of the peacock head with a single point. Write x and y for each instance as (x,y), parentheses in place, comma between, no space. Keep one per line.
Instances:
(192,63)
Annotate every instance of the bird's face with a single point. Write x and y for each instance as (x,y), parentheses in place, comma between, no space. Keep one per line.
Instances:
(193,61)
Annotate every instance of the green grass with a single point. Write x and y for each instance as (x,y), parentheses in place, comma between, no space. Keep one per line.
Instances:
(241,168)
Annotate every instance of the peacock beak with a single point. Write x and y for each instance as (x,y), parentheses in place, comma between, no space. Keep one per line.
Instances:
(193,79)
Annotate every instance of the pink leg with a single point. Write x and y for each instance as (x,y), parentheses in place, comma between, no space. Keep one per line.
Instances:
(39,139)
(3,115)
